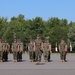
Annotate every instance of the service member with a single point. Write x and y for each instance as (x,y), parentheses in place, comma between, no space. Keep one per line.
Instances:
(63,50)
(38,46)
(47,50)
(15,50)
(6,48)
(1,51)
(20,50)
(31,50)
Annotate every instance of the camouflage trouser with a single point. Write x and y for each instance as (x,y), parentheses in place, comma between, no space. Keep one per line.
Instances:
(38,55)
(1,55)
(31,55)
(63,55)
(15,55)
(46,54)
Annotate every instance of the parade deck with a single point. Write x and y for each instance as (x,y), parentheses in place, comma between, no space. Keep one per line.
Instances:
(55,67)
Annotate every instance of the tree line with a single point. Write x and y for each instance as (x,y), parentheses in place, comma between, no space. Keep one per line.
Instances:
(26,29)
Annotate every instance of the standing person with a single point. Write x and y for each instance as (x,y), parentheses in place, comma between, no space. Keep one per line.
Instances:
(1,51)
(31,50)
(63,50)
(6,48)
(20,50)
(47,50)
(15,50)
(34,60)
(38,46)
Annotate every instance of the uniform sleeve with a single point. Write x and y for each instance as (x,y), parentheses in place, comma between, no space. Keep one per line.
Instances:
(65,44)
(22,44)
(29,46)
(41,41)
(12,44)
(49,44)
(8,44)
(59,46)
(35,41)
(65,47)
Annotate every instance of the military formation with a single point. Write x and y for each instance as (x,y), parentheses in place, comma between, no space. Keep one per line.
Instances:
(36,49)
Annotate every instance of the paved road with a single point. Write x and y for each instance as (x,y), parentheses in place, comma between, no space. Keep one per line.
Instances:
(55,67)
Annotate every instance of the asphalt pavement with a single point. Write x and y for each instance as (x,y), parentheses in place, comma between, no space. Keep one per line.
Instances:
(55,67)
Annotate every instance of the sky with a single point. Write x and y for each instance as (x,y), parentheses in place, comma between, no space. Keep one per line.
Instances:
(63,9)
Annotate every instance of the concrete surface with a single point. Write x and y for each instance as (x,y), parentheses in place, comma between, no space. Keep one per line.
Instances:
(55,67)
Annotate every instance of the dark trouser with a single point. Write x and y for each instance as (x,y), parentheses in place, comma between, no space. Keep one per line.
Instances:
(49,56)
(63,55)
(1,54)
(34,56)
(5,55)
(19,56)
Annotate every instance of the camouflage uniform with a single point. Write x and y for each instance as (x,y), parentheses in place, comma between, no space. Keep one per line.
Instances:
(62,51)
(46,51)
(31,47)
(20,50)
(5,51)
(1,52)
(15,50)
(38,52)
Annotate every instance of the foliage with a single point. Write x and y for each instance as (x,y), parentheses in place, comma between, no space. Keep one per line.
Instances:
(26,29)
